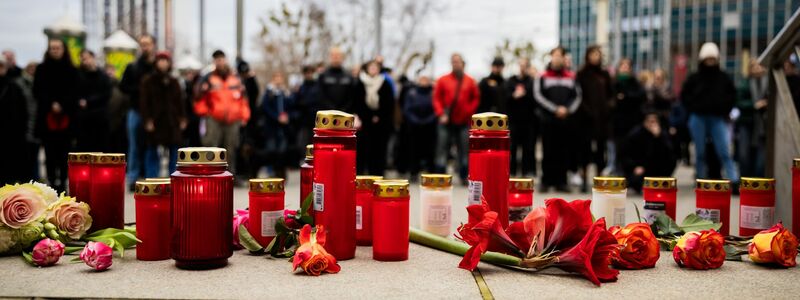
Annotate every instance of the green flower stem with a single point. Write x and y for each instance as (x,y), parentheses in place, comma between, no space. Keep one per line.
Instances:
(458,248)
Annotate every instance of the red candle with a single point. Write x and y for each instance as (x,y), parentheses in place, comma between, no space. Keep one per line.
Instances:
(107,191)
(307,174)
(202,209)
(390,220)
(152,219)
(713,202)
(364,191)
(756,205)
(796,197)
(79,174)
(489,162)
(660,195)
(334,181)
(520,198)
(266,207)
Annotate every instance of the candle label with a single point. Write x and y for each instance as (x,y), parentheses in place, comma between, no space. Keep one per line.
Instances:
(359,216)
(756,217)
(319,197)
(708,214)
(475,192)
(619,216)
(268,219)
(518,213)
(439,215)
(652,209)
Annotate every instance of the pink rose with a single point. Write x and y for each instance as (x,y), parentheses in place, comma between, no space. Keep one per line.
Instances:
(241,217)
(70,216)
(97,255)
(20,206)
(288,219)
(47,252)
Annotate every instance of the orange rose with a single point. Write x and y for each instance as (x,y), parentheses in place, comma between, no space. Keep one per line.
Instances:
(640,246)
(775,245)
(700,250)
(311,255)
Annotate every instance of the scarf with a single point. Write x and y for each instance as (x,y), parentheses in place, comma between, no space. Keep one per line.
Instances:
(372,84)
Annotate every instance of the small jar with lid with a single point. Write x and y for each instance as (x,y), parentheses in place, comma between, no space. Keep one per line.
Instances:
(609,198)
(756,205)
(796,196)
(489,157)
(520,198)
(660,195)
(390,220)
(713,202)
(202,209)
(152,219)
(307,174)
(266,207)
(79,174)
(107,190)
(436,203)
(365,191)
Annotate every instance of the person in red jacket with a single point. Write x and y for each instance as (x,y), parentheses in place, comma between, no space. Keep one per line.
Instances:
(223,102)
(455,99)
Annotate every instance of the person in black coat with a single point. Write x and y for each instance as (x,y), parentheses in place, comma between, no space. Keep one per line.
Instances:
(305,99)
(522,120)
(420,122)
(627,112)
(163,115)
(14,128)
(595,111)
(129,85)
(92,113)
(336,89)
(493,89)
(647,152)
(55,87)
(374,106)
(276,120)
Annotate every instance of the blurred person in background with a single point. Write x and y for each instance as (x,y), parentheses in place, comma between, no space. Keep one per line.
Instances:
(117,110)
(248,78)
(629,101)
(493,89)
(647,152)
(594,114)
(420,121)
(129,85)
(374,106)
(190,77)
(336,86)
(32,143)
(14,128)
(163,115)
(750,126)
(660,95)
(277,118)
(91,118)
(523,120)
(13,71)
(305,99)
(55,87)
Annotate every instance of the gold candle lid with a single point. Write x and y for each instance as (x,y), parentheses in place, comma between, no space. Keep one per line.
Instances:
(80,157)
(391,188)
(107,158)
(713,185)
(334,119)
(489,121)
(266,185)
(522,184)
(365,182)
(662,183)
(152,188)
(757,184)
(436,180)
(157,179)
(610,183)
(310,151)
(211,156)
(796,163)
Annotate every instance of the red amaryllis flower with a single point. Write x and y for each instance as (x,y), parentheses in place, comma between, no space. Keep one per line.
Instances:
(311,255)
(640,248)
(591,256)
(566,223)
(484,232)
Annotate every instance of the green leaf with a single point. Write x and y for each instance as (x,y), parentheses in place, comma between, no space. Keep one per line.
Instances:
(304,209)
(307,220)
(638,216)
(272,244)
(247,240)
(694,223)
(72,249)
(28,257)
(666,226)
(734,253)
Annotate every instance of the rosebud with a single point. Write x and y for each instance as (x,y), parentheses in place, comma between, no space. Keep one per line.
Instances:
(97,255)
(47,252)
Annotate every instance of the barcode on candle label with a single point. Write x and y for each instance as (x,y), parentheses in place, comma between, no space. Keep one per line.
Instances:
(619,216)
(708,214)
(439,215)
(268,219)
(756,217)
(359,225)
(319,197)
(475,192)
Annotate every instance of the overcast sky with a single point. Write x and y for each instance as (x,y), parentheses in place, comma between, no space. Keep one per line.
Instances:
(471,27)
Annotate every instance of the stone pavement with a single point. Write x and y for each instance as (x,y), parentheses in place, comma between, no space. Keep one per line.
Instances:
(427,274)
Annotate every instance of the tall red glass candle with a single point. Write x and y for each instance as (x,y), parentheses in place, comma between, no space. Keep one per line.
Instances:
(307,174)
(334,181)
(107,191)
(796,197)
(152,219)
(660,195)
(364,200)
(202,209)
(520,198)
(713,202)
(489,162)
(266,207)
(390,220)
(756,205)
(78,174)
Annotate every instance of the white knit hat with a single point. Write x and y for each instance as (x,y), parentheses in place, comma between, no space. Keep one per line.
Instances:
(709,50)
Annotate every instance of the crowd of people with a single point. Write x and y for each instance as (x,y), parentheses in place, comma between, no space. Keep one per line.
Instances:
(618,121)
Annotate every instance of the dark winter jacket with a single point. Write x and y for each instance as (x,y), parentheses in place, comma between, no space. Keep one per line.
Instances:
(95,88)
(557,88)
(306,101)
(493,94)
(55,81)
(709,91)
(162,102)
(521,111)
(385,111)
(132,79)
(654,153)
(598,94)
(628,105)
(336,89)
(269,134)
(418,106)
(14,128)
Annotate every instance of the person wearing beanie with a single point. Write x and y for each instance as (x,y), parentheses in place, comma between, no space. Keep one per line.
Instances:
(163,114)
(709,96)
(492,89)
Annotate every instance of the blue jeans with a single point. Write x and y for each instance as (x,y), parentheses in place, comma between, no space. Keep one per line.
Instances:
(134,146)
(152,162)
(449,135)
(715,127)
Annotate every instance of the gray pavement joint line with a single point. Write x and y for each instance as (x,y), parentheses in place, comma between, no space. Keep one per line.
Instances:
(486,294)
